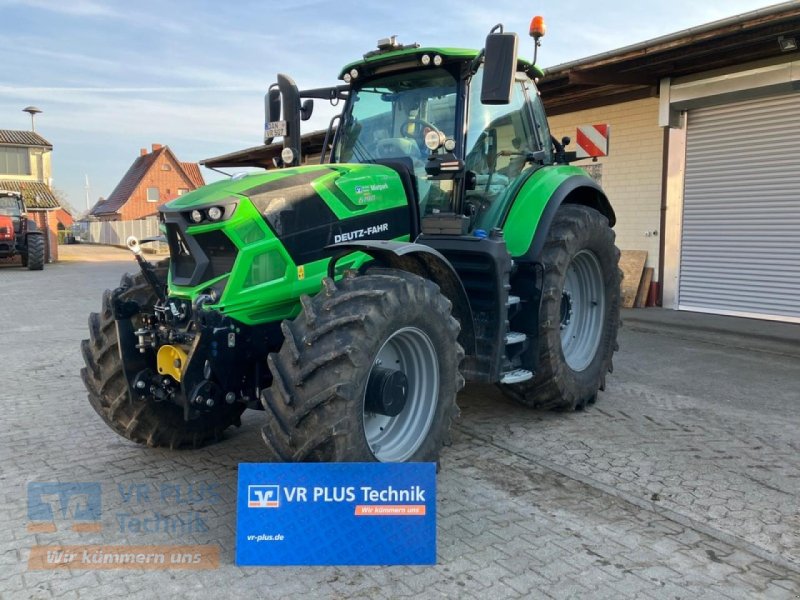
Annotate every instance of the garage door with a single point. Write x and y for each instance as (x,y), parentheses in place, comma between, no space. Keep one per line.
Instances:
(740,249)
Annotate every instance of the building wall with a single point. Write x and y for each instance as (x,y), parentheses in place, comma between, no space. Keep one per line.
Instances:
(63,217)
(39,160)
(632,173)
(47,169)
(47,222)
(168,183)
(746,81)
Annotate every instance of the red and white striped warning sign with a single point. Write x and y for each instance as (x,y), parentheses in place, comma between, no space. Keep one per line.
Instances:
(592,140)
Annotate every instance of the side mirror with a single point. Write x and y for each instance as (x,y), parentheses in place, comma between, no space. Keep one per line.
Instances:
(499,68)
(284,97)
(290,98)
(272,112)
(306,109)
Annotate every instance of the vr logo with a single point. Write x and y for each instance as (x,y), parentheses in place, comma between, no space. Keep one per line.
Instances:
(263,496)
(76,501)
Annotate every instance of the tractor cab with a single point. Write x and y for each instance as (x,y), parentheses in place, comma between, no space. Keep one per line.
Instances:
(468,126)
(471,124)
(468,136)
(11,206)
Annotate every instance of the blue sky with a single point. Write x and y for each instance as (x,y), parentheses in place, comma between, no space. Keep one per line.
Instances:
(113,77)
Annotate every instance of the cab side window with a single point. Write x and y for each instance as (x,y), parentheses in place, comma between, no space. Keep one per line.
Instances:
(499,138)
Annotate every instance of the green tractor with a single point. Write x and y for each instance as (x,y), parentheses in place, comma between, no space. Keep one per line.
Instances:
(444,237)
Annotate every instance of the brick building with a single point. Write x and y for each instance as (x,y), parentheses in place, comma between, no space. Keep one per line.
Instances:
(25,168)
(154,178)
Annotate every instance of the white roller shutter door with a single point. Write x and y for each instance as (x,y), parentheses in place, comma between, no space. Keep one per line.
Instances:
(740,247)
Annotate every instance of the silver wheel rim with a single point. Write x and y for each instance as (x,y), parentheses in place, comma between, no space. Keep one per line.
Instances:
(396,439)
(583,304)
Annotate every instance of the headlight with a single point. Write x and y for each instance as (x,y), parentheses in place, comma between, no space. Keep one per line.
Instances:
(196,216)
(215,213)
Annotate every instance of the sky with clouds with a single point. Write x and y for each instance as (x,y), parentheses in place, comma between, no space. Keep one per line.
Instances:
(113,77)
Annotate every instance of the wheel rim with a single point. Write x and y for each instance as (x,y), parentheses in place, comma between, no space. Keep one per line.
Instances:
(582,309)
(396,439)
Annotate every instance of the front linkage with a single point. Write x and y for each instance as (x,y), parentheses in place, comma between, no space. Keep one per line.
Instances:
(202,358)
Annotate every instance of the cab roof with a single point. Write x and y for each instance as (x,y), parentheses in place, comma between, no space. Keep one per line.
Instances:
(409,56)
(402,53)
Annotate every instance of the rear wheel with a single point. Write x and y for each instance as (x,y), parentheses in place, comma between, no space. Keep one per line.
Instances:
(142,421)
(579,313)
(34,258)
(367,372)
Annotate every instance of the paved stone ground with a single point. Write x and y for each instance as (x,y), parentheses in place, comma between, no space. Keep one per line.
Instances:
(682,482)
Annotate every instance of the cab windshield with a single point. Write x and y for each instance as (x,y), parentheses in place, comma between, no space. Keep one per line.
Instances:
(389,118)
(9,206)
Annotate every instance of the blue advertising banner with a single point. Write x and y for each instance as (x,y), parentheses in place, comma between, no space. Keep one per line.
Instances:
(336,514)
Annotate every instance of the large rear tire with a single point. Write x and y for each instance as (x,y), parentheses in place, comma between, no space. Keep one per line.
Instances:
(34,258)
(142,421)
(358,346)
(579,313)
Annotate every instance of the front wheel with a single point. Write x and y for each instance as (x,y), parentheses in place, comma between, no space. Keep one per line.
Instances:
(579,312)
(367,372)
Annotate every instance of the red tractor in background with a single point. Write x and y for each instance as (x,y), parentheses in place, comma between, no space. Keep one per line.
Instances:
(19,235)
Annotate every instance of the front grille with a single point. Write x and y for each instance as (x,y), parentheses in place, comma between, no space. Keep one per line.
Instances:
(182,262)
(220,251)
(199,258)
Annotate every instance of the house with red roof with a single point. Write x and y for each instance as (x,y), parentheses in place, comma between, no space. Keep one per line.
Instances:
(154,178)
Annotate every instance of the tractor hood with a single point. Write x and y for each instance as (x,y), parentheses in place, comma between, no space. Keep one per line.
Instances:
(360,184)
(245,235)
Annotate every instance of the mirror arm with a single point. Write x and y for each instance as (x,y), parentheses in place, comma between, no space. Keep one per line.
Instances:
(476,62)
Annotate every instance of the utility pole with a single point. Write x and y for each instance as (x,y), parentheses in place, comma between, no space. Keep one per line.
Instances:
(87,192)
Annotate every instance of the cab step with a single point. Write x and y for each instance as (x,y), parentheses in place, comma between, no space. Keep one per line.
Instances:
(512,300)
(516,376)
